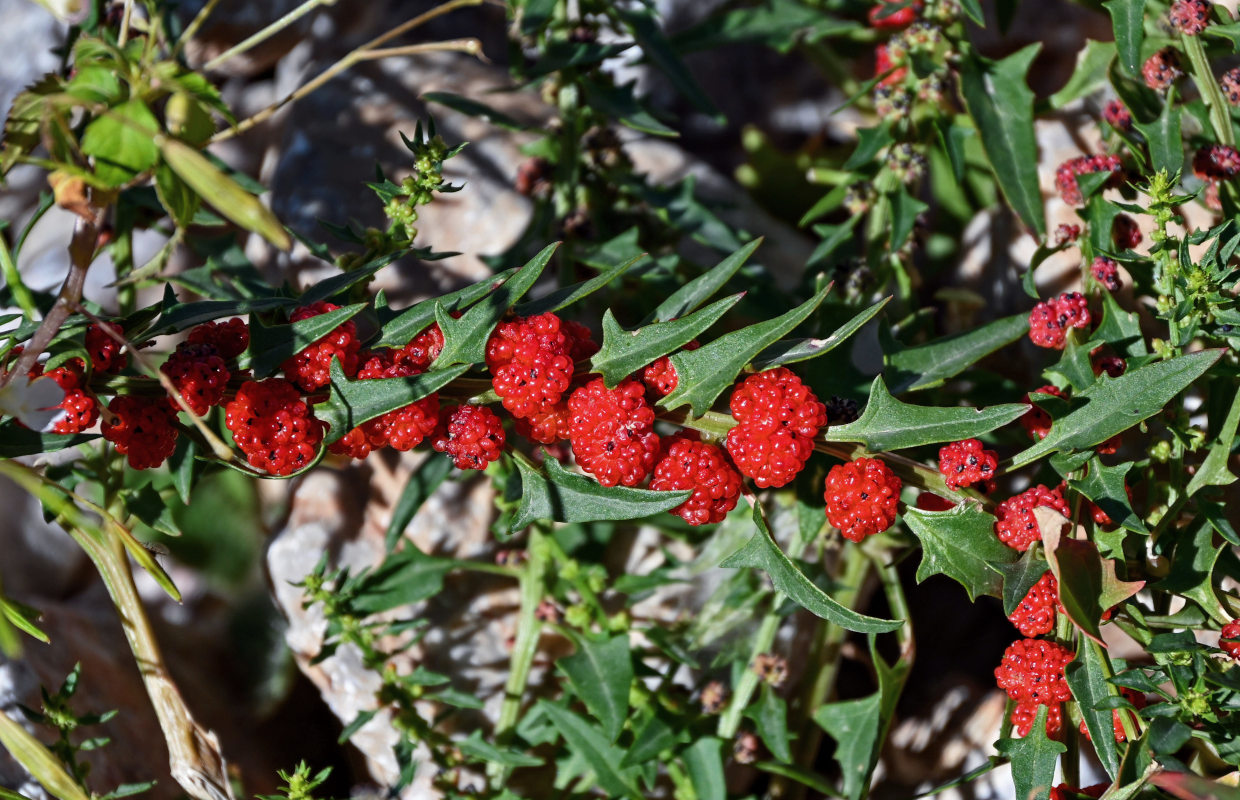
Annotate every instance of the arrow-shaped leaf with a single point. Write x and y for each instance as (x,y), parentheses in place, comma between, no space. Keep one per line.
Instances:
(350,403)
(271,346)
(401,329)
(789,351)
(566,296)
(600,673)
(930,364)
(961,544)
(696,291)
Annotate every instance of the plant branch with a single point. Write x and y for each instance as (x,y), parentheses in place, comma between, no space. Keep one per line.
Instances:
(267,32)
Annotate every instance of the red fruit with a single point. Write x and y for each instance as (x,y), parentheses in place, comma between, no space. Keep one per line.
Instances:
(882,17)
(472,436)
(1036,421)
(1216,162)
(1015,524)
(1065,792)
(1162,69)
(612,432)
(1049,321)
(230,337)
(311,368)
(199,374)
(1111,365)
(928,501)
(660,377)
(1117,723)
(1065,176)
(1065,234)
(531,362)
(1229,639)
(105,352)
(883,63)
(1106,272)
(1032,672)
(1099,516)
(402,428)
(1116,115)
(273,426)
(1189,17)
(143,428)
(688,464)
(777,419)
(547,425)
(863,498)
(1036,613)
(81,410)
(1229,82)
(1024,714)
(354,444)
(423,349)
(1125,232)
(967,463)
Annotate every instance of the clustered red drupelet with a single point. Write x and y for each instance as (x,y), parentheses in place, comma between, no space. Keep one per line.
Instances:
(1050,320)
(1106,272)
(1189,17)
(777,418)
(1162,69)
(1065,176)
(968,464)
(862,498)
(1032,674)
(1015,523)
(704,468)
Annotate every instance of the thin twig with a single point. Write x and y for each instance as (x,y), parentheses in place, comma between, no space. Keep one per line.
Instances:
(191,30)
(123,36)
(267,32)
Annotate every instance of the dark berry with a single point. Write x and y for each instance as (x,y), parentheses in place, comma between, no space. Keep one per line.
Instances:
(1106,272)
(230,337)
(1116,115)
(105,351)
(1216,162)
(1125,232)
(1161,69)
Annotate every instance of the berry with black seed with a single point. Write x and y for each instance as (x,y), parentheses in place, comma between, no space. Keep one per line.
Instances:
(1189,17)
(1036,421)
(777,419)
(842,410)
(1065,176)
(660,377)
(199,374)
(311,368)
(1216,162)
(702,467)
(1229,639)
(547,425)
(230,337)
(1229,82)
(1024,715)
(1036,613)
(863,498)
(1015,524)
(1117,723)
(81,410)
(1049,321)
(402,428)
(105,352)
(142,428)
(967,463)
(1117,115)
(883,17)
(1162,69)
(1125,232)
(472,436)
(1066,234)
(424,348)
(612,432)
(1032,672)
(1106,272)
(531,362)
(272,424)
(1114,366)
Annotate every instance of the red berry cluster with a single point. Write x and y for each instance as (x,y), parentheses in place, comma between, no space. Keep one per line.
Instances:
(883,17)
(1036,421)
(862,498)
(1066,234)
(777,418)
(1216,162)
(967,463)
(612,432)
(81,412)
(1015,524)
(310,369)
(1065,792)
(273,426)
(1229,639)
(1036,613)
(142,428)
(104,349)
(1229,82)
(1031,673)
(1117,721)
(1117,115)
(1049,321)
(660,377)
(472,436)
(1106,272)
(1189,17)
(1125,232)
(704,468)
(198,372)
(1065,176)
(1162,69)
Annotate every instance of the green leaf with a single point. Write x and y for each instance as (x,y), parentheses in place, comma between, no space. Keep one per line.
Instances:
(974,10)
(482,751)
(1119,328)
(473,108)
(704,763)
(22,617)
(761,552)
(1163,137)
(406,577)
(789,351)
(1033,759)
(566,296)
(561,496)
(869,142)
(1128,22)
(1019,576)
(888,424)
(1192,568)
(770,718)
(17,440)
(1087,678)
(833,237)
(221,192)
(703,374)
(1213,470)
(621,102)
(465,339)
(854,725)
(1001,103)
(952,139)
(329,287)
(1089,75)
(1105,487)
(1230,32)
(696,291)
(588,742)
(928,365)
(624,352)
(657,735)
(175,195)
(350,403)
(122,140)
(904,211)
(401,329)
(272,346)
(1113,405)
(422,483)
(642,24)
(961,544)
(601,672)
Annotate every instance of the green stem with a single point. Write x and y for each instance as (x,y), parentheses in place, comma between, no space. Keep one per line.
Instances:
(1220,117)
(529,629)
(38,760)
(191,30)
(730,721)
(266,33)
(13,279)
(127,17)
